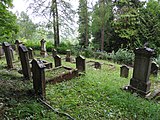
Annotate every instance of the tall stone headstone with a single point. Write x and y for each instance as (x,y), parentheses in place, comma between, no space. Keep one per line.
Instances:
(1,51)
(80,63)
(38,72)
(12,52)
(124,71)
(140,82)
(54,53)
(43,48)
(57,61)
(30,53)
(68,56)
(24,58)
(7,51)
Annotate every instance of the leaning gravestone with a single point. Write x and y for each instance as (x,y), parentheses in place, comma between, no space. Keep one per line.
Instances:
(68,56)
(54,53)
(97,65)
(154,68)
(7,51)
(30,53)
(57,61)
(124,71)
(1,51)
(38,77)
(24,58)
(43,48)
(12,52)
(80,64)
(140,82)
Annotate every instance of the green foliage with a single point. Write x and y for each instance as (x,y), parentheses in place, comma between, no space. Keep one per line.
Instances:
(34,44)
(27,27)
(123,56)
(84,28)
(8,24)
(63,47)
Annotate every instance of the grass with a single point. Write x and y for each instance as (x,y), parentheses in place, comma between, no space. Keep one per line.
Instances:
(94,96)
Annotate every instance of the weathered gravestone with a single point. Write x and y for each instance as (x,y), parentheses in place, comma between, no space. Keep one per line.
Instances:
(57,61)
(43,48)
(54,53)
(140,82)
(30,53)
(80,64)
(97,65)
(7,51)
(1,51)
(17,42)
(154,68)
(24,58)
(12,52)
(68,56)
(124,71)
(38,77)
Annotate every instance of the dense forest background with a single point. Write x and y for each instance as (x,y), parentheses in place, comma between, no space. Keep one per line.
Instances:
(107,25)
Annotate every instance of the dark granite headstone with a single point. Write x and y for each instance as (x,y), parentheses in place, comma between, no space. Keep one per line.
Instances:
(57,61)
(30,53)
(43,48)
(124,71)
(154,68)
(24,58)
(97,65)
(7,51)
(80,64)
(68,56)
(54,53)
(38,77)
(140,82)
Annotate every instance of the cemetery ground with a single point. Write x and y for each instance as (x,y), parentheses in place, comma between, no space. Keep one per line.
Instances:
(97,95)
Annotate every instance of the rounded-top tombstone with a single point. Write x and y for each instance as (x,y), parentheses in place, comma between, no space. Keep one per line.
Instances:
(57,61)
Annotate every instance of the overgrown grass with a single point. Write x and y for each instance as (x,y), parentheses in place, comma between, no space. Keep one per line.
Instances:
(94,96)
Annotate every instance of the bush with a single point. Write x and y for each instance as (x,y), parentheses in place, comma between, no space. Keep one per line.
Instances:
(88,52)
(158,60)
(63,47)
(123,56)
(33,44)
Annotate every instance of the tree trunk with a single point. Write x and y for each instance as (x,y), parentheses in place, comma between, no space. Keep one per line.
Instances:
(57,23)
(102,39)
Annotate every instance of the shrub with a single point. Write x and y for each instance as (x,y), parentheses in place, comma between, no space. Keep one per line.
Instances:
(33,44)
(88,52)
(63,47)
(123,56)
(158,60)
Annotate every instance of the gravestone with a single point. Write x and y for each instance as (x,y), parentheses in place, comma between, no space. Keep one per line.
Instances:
(80,64)
(97,65)
(30,53)
(154,68)
(140,82)
(1,51)
(43,48)
(12,52)
(17,42)
(24,58)
(38,77)
(124,71)
(57,61)
(54,53)
(7,51)
(68,56)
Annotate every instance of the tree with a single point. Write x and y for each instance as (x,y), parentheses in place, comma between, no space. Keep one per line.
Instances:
(58,12)
(126,22)
(100,22)
(27,27)
(8,23)
(84,28)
